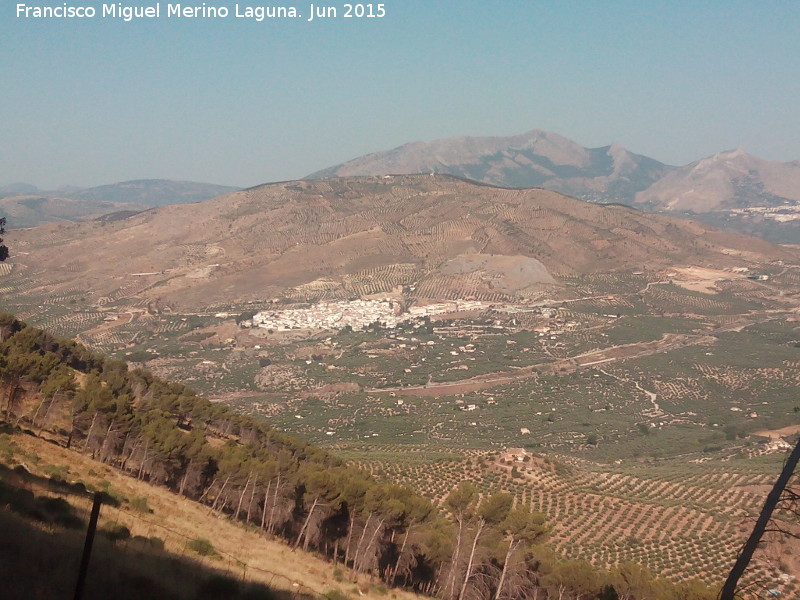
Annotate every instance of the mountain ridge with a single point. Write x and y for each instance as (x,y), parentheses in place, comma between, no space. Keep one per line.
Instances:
(25,205)
(343,238)
(728,180)
(536,158)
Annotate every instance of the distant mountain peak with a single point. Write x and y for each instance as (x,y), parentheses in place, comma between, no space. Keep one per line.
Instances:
(723,181)
(536,158)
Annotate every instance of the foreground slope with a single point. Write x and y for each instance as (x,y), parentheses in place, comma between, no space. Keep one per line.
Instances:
(425,236)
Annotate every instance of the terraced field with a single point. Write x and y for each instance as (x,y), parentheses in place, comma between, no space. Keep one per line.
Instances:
(678,520)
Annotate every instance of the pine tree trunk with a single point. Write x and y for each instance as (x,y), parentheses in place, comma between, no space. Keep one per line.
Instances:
(264,510)
(400,554)
(208,489)
(468,574)
(252,496)
(12,392)
(46,414)
(241,496)
(122,446)
(182,486)
(91,429)
(105,441)
(305,523)
(219,496)
(134,448)
(274,505)
(144,460)
(511,548)
(349,538)
(36,414)
(369,545)
(361,541)
(456,557)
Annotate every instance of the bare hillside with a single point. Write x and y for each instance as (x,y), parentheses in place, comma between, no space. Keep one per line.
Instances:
(426,236)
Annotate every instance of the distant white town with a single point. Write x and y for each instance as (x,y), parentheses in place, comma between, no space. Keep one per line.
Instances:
(357,314)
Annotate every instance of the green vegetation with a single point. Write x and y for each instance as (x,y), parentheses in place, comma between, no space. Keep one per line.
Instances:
(202,547)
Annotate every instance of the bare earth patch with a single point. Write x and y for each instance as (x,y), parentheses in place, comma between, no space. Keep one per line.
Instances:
(701,279)
(776,434)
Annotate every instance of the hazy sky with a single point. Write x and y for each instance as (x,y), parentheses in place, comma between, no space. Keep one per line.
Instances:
(239,102)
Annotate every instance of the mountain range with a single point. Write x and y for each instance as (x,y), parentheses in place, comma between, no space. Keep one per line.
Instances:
(534,159)
(727,180)
(732,189)
(25,205)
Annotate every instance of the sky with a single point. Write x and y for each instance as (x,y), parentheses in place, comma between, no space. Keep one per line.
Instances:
(238,102)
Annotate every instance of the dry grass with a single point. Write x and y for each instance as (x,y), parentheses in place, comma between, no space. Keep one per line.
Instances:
(177,520)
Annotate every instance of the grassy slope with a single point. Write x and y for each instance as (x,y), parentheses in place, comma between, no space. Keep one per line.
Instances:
(176,520)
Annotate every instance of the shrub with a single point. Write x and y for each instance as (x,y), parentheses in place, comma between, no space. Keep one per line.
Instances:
(140,505)
(202,547)
(153,542)
(56,472)
(335,594)
(60,512)
(258,592)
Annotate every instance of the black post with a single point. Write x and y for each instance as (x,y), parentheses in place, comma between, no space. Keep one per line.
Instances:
(87,546)
(729,589)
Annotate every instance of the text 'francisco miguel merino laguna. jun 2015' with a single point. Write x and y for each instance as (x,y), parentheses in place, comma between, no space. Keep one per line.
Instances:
(127,13)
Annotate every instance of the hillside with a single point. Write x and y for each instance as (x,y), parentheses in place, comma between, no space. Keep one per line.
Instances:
(143,548)
(26,206)
(534,159)
(426,237)
(148,193)
(734,190)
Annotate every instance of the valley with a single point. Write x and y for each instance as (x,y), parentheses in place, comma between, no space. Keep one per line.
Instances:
(613,369)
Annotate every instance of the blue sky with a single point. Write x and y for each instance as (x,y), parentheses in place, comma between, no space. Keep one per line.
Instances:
(233,101)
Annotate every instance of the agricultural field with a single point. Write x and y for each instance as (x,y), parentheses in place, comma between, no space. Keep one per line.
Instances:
(633,410)
(673,517)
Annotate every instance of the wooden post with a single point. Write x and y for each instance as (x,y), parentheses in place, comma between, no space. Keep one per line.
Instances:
(729,589)
(87,546)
